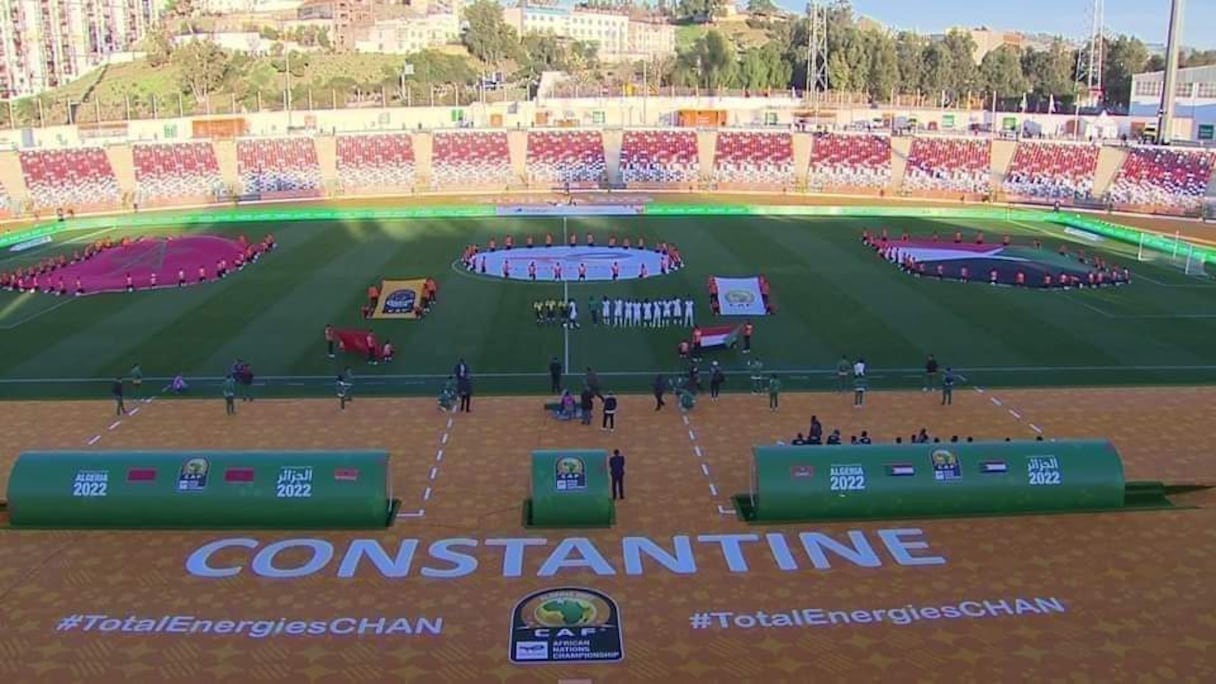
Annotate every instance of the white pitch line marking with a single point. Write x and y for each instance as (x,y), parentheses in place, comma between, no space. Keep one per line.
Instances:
(691,436)
(444,440)
(713,489)
(685,419)
(426,496)
(439,455)
(705,469)
(725,510)
(133,411)
(95,439)
(412,514)
(449,423)
(697,450)
(1036,428)
(1015,414)
(115,424)
(434,472)
(979,389)
(995,401)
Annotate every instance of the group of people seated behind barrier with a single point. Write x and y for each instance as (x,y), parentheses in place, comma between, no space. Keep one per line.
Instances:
(815,437)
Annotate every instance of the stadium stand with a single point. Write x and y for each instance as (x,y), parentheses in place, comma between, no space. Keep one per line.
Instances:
(856,161)
(1052,170)
(575,157)
(5,201)
(166,171)
(754,158)
(471,159)
(278,165)
(1165,178)
(949,164)
(659,157)
(71,178)
(376,161)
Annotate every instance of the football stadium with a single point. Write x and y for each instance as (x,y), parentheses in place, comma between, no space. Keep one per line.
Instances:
(652,386)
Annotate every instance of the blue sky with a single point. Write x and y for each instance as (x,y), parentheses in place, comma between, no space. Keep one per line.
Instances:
(1146,19)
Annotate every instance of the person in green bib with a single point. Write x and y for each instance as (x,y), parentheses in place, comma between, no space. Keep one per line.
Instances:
(843,367)
(859,391)
(229,391)
(774,392)
(343,386)
(137,381)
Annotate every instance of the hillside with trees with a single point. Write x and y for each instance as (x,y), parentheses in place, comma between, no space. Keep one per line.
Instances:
(184,73)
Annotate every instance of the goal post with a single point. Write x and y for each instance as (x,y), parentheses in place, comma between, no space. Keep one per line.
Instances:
(1173,250)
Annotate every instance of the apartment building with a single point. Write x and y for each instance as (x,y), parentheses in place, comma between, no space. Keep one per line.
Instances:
(48,43)
(411,34)
(619,37)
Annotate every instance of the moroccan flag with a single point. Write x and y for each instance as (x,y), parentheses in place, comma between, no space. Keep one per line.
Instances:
(720,336)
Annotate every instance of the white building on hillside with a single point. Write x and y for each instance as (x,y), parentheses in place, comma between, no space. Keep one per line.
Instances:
(414,34)
(619,38)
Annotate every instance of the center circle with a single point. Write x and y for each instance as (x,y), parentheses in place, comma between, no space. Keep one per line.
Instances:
(562,263)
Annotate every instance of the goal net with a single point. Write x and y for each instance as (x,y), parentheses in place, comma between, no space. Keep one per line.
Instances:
(1191,259)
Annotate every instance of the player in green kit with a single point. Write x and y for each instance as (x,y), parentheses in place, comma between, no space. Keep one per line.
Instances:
(843,367)
(774,392)
(229,392)
(859,391)
(137,381)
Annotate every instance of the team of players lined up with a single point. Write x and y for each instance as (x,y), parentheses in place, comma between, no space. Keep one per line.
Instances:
(618,312)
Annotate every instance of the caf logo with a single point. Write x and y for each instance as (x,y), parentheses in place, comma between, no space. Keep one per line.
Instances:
(192,477)
(566,625)
(739,297)
(946,465)
(400,301)
(570,474)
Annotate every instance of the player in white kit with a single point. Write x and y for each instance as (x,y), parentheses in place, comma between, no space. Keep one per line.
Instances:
(688,311)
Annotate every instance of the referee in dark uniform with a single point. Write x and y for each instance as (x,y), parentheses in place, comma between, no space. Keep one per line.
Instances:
(616,466)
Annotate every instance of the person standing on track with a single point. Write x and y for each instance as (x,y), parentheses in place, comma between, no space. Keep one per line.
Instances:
(609,422)
(120,409)
(616,465)
(464,389)
(660,386)
(948,388)
(331,337)
(930,373)
(842,373)
(555,375)
(716,378)
(229,392)
(774,392)
(137,381)
(343,384)
(859,390)
(748,330)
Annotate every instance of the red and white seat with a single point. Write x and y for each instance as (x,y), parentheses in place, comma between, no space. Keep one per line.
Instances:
(752,157)
(1052,170)
(949,164)
(659,157)
(69,177)
(470,158)
(377,160)
(1154,176)
(565,157)
(278,165)
(176,170)
(850,160)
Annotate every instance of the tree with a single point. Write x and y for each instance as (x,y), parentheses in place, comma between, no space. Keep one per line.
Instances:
(938,73)
(884,65)
(1125,56)
(488,37)
(202,67)
(910,57)
(965,76)
(1001,72)
(761,7)
(159,46)
(716,59)
(1051,71)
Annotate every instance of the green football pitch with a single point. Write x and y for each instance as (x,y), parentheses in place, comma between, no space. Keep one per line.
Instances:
(833,295)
